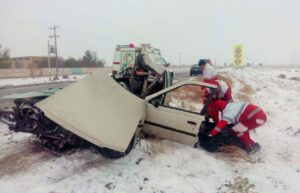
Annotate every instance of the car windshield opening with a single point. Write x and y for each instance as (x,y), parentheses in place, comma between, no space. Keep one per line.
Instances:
(187,98)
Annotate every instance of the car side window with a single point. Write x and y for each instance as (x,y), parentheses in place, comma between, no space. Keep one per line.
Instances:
(187,98)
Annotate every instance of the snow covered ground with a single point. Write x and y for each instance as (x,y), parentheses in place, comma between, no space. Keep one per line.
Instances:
(164,166)
(37,80)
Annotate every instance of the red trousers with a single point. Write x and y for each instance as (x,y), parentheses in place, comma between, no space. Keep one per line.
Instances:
(245,125)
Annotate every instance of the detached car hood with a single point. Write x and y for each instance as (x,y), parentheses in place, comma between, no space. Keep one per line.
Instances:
(97,109)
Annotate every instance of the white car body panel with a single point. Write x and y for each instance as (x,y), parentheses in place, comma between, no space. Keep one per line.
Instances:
(97,109)
(172,124)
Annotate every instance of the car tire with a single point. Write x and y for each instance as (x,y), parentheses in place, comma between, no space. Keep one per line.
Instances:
(113,154)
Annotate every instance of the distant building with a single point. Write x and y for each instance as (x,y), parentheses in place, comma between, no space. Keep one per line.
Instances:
(28,62)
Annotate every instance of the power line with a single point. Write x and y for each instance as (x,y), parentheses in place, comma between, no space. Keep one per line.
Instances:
(44,23)
(293,59)
(91,34)
(105,36)
(24,21)
(179,54)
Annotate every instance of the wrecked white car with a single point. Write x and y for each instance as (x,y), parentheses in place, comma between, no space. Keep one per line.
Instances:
(98,112)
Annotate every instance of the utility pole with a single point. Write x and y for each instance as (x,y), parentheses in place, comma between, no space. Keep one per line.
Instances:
(49,64)
(179,54)
(55,44)
(294,59)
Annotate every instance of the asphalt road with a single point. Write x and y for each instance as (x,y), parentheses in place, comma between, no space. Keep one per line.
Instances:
(40,87)
(27,88)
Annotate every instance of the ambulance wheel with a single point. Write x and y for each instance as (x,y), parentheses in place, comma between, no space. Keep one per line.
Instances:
(113,154)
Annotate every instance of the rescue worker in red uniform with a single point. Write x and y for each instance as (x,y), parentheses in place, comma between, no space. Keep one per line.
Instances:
(244,116)
(223,91)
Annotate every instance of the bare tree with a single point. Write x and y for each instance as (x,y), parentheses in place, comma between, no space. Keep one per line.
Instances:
(4,56)
(90,60)
(71,62)
(5,53)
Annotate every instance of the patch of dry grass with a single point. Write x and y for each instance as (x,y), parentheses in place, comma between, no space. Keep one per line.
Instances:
(238,185)
(22,158)
(234,154)
(231,153)
(227,78)
(199,78)
(243,97)
(191,93)
(245,91)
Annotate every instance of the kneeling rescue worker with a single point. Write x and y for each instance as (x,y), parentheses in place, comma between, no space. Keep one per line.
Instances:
(244,116)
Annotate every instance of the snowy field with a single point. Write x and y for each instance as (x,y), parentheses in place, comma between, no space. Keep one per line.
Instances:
(37,80)
(164,166)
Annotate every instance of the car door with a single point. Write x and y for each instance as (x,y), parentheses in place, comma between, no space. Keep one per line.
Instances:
(175,114)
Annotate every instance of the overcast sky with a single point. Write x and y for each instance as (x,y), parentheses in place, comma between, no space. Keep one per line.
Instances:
(268,29)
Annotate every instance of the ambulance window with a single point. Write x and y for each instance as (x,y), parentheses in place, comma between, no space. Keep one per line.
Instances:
(163,62)
(186,98)
(117,56)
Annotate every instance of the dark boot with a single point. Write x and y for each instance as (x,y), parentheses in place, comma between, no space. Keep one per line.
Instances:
(253,149)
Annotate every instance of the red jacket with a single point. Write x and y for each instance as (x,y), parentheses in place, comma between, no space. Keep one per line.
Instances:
(223,89)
